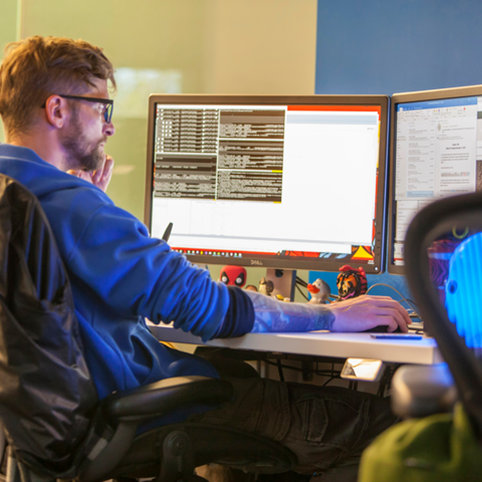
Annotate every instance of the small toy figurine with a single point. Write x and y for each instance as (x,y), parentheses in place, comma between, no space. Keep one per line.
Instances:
(351,282)
(233,275)
(319,290)
(266,286)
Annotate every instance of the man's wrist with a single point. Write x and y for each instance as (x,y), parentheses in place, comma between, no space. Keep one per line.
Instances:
(325,320)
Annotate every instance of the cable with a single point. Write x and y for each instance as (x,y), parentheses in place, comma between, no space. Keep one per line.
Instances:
(330,380)
(386,379)
(332,373)
(285,367)
(301,292)
(302,282)
(280,370)
(407,300)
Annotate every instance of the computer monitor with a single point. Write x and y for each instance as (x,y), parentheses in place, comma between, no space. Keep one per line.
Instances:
(291,182)
(435,152)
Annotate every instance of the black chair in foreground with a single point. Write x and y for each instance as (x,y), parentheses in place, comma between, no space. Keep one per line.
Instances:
(462,214)
(54,425)
(443,446)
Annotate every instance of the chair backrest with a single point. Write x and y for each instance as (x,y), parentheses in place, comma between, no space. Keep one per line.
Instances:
(54,426)
(46,393)
(451,329)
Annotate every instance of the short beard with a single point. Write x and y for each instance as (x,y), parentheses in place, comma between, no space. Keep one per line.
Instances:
(76,146)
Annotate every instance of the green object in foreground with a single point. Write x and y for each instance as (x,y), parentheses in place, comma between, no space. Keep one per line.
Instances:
(437,448)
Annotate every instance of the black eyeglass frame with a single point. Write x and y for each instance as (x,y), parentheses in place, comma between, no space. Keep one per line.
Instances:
(109,102)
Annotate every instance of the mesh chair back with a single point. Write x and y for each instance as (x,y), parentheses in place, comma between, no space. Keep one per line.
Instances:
(456,330)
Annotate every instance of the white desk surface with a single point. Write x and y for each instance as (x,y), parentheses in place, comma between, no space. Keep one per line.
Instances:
(342,345)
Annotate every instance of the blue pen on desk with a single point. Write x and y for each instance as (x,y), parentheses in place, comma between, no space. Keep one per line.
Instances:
(396,336)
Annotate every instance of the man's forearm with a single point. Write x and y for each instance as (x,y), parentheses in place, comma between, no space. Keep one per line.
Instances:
(275,316)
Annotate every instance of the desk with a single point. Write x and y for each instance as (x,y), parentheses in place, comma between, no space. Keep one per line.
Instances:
(340,345)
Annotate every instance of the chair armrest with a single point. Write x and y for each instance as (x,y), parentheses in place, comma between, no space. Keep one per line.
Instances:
(164,396)
(422,390)
(129,408)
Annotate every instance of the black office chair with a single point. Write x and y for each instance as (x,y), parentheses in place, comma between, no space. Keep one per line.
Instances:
(462,214)
(441,444)
(53,423)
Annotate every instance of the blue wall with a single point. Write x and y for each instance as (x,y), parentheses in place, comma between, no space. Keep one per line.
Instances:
(386,46)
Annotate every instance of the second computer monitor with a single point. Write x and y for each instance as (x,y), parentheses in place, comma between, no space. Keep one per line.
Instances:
(435,152)
(293,182)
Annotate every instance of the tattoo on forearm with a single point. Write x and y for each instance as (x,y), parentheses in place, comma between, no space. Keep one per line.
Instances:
(325,320)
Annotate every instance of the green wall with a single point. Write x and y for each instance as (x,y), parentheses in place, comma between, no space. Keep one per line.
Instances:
(157,46)
(176,46)
(8,31)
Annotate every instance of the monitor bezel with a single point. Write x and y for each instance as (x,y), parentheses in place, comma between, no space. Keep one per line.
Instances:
(401,98)
(297,263)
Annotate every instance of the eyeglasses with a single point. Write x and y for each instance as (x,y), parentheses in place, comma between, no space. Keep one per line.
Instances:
(106,104)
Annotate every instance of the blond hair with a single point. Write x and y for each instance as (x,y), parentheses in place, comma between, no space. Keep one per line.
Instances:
(37,67)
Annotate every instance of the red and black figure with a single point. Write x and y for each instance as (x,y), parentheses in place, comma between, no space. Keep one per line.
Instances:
(351,282)
(233,276)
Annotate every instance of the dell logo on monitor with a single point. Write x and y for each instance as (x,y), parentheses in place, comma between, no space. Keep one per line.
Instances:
(257,262)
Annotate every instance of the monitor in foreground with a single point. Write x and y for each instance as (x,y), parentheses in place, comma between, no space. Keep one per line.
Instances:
(435,152)
(269,181)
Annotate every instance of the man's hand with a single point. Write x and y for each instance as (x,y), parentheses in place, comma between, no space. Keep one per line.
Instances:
(100,178)
(366,312)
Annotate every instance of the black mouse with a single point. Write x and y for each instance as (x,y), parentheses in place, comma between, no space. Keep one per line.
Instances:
(381,329)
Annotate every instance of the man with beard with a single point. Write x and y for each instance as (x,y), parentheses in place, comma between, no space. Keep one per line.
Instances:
(57,114)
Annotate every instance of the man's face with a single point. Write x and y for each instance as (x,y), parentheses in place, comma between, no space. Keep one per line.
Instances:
(86,133)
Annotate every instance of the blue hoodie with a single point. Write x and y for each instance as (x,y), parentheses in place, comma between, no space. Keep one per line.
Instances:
(120,276)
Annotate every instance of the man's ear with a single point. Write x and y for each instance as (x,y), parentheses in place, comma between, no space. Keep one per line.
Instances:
(57,111)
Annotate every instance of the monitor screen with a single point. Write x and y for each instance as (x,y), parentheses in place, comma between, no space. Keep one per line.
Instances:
(435,152)
(294,182)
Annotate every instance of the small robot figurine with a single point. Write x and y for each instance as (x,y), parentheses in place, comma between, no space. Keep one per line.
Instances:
(266,286)
(351,282)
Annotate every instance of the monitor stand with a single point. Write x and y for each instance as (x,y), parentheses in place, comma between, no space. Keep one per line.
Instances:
(284,281)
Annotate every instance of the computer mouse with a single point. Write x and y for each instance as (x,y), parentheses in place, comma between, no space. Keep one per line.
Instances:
(381,329)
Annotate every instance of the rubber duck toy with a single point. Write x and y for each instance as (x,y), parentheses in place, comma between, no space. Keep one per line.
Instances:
(319,290)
